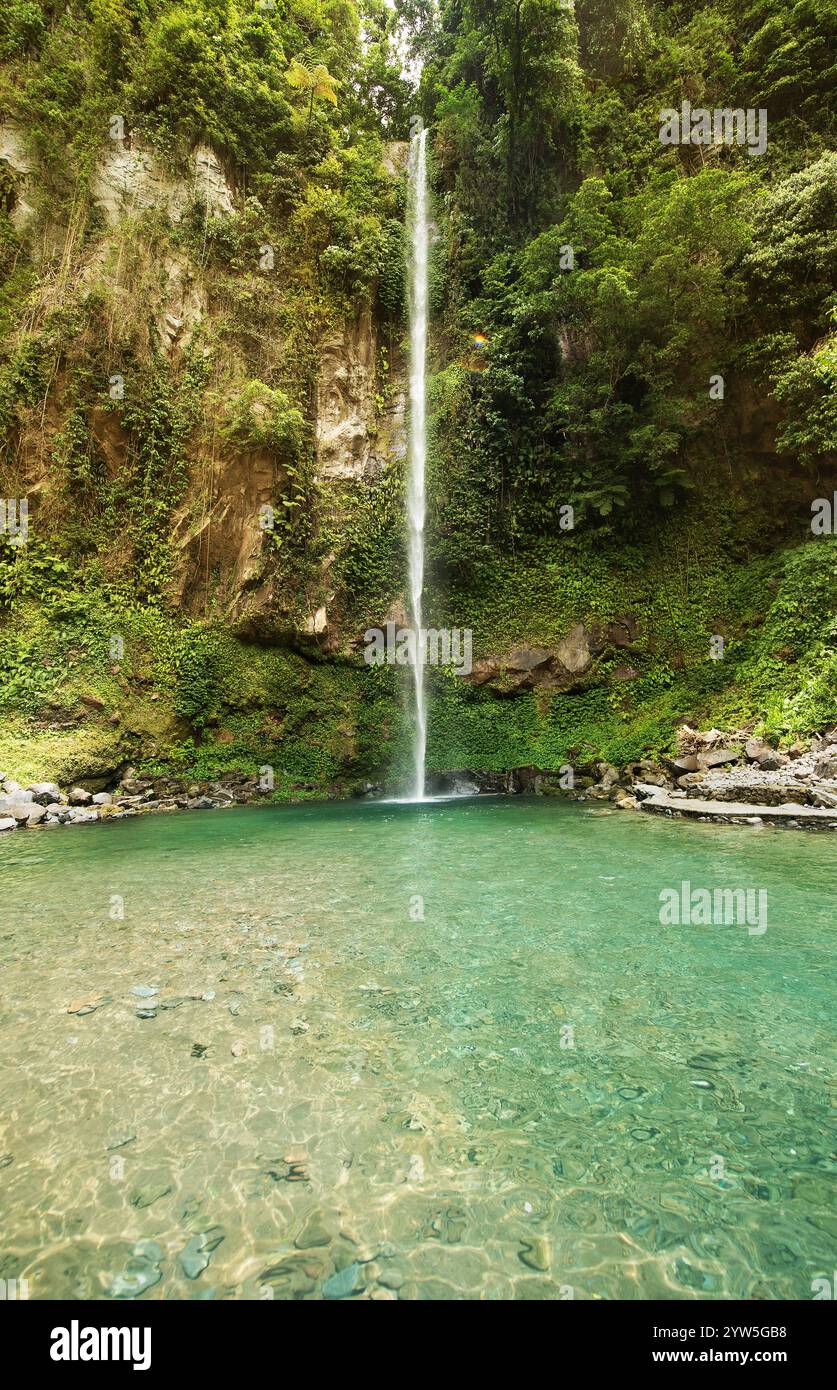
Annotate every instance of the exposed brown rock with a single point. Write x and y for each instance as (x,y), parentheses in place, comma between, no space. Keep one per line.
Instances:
(540,668)
(353,441)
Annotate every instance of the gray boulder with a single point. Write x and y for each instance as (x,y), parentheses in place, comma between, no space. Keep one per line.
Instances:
(79,814)
(102,799)
(687,762)
(771,761)
(718,758)
(824,796)
(79,797)
(609,776)
(7,823)
(44,792)
(646,791)
(14,794)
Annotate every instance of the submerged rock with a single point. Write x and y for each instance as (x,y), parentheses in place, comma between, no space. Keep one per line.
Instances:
(88,1004)
(142,1271)
(194,1257)
(155,1188)
(344,1283)
(296,1159)
(313,1234)
(535,1253)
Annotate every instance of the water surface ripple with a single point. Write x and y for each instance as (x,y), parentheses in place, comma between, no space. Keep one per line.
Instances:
(440,1051)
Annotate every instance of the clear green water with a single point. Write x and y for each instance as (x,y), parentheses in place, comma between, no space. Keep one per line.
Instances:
(413,1069)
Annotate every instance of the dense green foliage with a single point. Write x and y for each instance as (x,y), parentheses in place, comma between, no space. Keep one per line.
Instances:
(686,262)
(593,287)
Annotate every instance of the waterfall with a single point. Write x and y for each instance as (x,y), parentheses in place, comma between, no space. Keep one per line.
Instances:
(418,445)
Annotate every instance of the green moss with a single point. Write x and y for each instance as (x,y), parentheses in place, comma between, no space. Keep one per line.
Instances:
(778,674)
(66,757)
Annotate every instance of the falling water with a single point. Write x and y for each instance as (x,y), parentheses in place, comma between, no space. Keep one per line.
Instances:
(417,453)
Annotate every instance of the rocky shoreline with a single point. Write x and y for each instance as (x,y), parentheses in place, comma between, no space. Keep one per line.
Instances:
(714,776)
(43,804)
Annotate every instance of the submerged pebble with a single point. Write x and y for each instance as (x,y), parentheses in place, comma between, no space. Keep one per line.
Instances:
(535,1252)
(142,1271)
(151,1192)
(313,1233)
(194,1257)
(344,1283)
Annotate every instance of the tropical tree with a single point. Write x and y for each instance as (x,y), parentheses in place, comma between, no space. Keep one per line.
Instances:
(317,81)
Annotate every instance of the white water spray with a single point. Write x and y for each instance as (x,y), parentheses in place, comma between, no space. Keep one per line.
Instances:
(418,443)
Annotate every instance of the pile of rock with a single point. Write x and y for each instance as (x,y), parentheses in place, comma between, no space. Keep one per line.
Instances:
(732,767)
(711,766)
(176,794)
(44,803)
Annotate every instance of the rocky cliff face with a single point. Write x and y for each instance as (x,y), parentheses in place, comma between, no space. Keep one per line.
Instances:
(208,427)
(220,527)
(356,439)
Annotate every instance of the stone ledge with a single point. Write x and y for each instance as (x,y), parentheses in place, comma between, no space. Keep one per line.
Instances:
(657,802)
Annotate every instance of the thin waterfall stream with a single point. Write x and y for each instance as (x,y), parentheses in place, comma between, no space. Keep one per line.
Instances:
(417,446)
